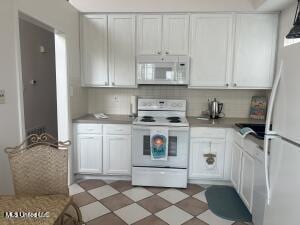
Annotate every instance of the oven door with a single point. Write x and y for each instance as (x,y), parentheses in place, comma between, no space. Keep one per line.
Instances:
(177,148)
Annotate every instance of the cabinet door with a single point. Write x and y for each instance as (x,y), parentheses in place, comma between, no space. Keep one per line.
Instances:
(149,34)
(236,166)
(94,50)
(247,179)
(199,166)
(255,48)
(89,153)
(117,154)
(121,38)
(175,34)
(210,50)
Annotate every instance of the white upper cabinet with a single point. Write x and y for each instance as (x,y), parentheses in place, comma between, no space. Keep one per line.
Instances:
(163,34)
(175,34)
(121,38)
(94,50)
(149,31)
(255,48)
(210,50)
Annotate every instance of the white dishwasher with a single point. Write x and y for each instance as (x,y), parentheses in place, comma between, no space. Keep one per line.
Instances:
(260,189)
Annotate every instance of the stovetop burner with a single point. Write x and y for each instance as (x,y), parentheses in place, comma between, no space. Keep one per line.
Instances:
(175,121)
(148,119)
(173,118)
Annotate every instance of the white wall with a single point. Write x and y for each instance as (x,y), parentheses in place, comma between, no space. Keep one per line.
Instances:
(9,120)
(161,5)
(117,101)
(59,15)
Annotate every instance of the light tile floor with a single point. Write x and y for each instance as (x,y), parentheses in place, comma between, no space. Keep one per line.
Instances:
(119,203)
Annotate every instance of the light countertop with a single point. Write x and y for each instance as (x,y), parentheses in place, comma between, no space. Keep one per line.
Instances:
(193,121)
(112,119)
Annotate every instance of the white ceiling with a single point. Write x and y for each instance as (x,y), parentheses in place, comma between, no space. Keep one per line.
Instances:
(161,5)
(179,5)
(271,5)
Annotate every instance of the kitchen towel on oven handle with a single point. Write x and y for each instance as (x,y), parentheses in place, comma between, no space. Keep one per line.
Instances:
(159,142)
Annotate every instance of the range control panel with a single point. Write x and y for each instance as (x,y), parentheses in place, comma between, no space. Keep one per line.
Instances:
(161,104)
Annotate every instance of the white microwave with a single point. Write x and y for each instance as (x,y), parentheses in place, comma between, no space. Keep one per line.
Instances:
(168,70)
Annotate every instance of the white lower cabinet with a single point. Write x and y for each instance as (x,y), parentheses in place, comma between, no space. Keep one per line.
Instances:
(117,154)
(89,153)
(207,158)
(247,179)
(102,149)
(242,170)
(207,153)
(236,158)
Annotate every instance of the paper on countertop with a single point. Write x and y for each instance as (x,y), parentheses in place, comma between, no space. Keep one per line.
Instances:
(100,116)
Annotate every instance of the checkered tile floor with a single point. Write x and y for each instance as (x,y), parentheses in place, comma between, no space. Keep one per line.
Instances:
(119,203)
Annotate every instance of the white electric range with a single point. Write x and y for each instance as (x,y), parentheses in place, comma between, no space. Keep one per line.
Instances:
(164,114)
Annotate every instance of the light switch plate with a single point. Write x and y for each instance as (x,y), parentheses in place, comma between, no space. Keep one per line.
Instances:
(2,96)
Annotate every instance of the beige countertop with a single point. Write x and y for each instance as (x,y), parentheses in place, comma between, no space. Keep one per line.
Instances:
(112,119)
(193,121)
(222,122)
(227,123)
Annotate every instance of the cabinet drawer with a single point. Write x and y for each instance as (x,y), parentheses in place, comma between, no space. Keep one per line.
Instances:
(86,128)
(204,132)
(116,129)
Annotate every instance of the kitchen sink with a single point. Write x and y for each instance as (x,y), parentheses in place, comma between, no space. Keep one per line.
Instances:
(258,128)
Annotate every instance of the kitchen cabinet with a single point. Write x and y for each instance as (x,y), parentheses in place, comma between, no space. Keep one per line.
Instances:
(244,152)
(117,149)
(175,34)
(117,154)
(162,34)
(201,152)
(236,164)
(94,55)
(247,179)
(207,153)
(89,153)
(121,39)
(108,50)
(255,50)
(211,50)
(102,149)
(149,34)
(88,148)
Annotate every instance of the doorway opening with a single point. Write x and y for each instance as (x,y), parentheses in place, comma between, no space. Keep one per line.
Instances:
(44,100)
(38,78)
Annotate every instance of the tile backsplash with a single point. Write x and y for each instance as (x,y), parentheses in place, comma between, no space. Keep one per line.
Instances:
(117,100)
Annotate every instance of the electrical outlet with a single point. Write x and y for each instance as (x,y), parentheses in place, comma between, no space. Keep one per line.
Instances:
(2,96)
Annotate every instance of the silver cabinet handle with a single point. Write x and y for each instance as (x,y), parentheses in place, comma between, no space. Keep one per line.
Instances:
(227,85)
(113,83)
(167,53)
(235,84)
(159,52)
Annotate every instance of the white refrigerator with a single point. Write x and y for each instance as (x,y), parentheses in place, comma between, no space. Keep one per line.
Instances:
(282,164)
